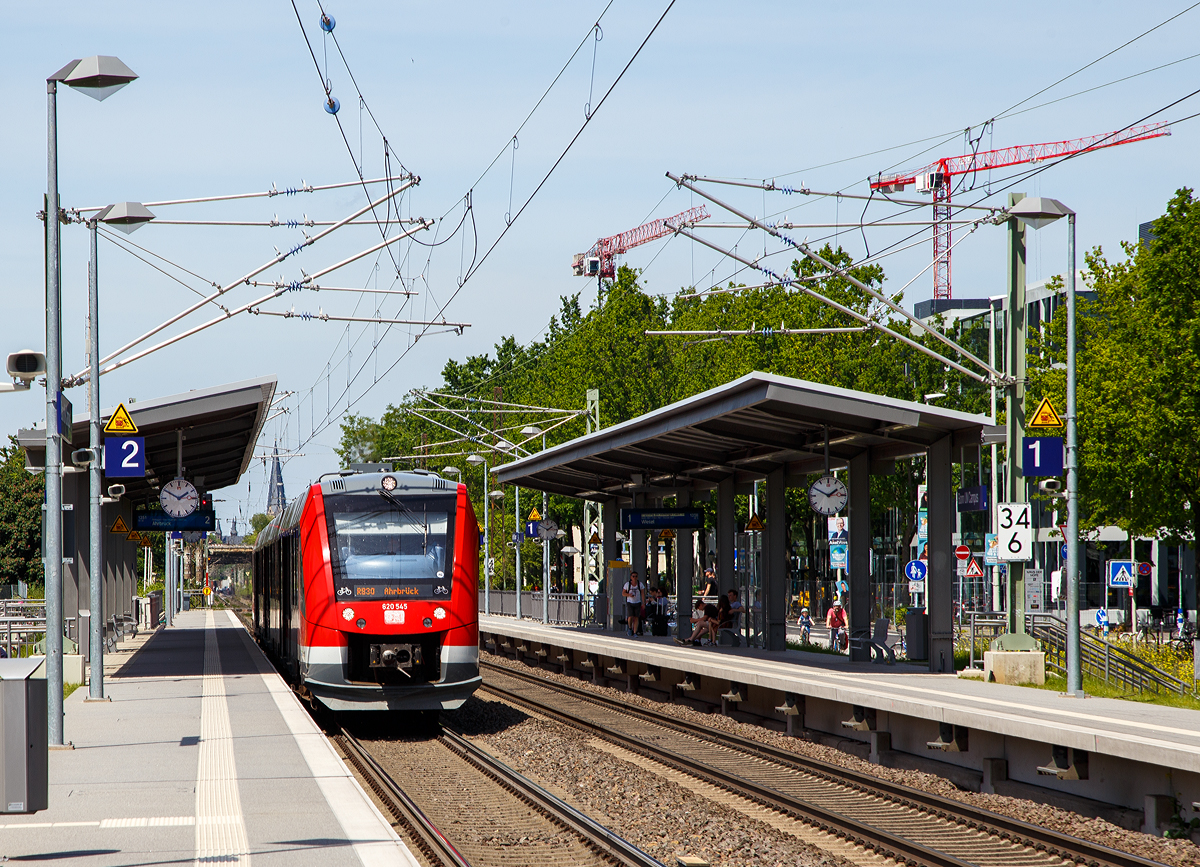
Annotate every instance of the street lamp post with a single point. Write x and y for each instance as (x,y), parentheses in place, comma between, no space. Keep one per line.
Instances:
(476,460)
(99,77)
(532,431)
(128,217)
(1037,212)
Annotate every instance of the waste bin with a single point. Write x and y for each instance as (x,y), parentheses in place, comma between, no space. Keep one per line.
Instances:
(24,747)
(916,633)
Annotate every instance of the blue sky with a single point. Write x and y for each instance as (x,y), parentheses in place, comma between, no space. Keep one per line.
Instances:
(229,101)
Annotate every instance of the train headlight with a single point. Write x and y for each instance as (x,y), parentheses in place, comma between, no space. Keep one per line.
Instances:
(348,613)
(362,623)
(439,613)
(389,483)
(428,622)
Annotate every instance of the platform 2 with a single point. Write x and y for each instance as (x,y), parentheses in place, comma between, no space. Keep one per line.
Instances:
(1110,751)
(202,755)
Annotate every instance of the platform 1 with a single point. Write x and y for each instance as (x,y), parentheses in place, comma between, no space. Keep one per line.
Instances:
(203,754)
(1116,752)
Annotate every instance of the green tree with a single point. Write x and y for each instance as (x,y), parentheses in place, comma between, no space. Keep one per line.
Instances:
(1138,367)
(21,496)
(257,523)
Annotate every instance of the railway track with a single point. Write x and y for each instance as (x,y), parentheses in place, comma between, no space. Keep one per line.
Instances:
(905,824)
(461,807)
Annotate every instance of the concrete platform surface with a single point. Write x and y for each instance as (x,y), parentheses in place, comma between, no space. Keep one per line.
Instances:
(1147,733)
(202,755)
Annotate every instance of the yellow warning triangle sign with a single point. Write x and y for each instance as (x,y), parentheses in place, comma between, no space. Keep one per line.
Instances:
(119,526)
(595,540)
(668,533)
(535,515)
(755,524)
(135,536)
(1044,416)
(973,570)
(121,422)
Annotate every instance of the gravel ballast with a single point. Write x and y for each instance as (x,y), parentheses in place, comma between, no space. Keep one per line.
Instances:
(1178,853)
(655,814)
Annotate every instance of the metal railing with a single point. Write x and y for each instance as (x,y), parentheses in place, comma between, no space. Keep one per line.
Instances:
(1098,658)
(564,608)
(19,634)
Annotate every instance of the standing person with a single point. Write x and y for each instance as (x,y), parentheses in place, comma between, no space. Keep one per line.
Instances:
(632,591)
(836,621)
(710,582)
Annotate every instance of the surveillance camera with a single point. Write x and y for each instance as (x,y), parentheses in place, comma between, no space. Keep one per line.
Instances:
(115,491)
(82,457)
(26,365)
(1050,486)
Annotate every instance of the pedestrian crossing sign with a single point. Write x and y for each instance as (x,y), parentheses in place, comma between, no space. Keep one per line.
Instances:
(973,570)
(1044,416)
(120,422)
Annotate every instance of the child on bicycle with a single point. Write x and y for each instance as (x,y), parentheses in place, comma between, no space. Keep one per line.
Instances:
(805,623)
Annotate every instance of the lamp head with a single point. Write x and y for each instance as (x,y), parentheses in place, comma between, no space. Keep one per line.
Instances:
(1036,212)
(530,430)
(474,460)
(99,76)
(127,217)
(496,495)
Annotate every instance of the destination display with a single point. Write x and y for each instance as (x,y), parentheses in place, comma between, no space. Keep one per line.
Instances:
(659,519)
(156,520)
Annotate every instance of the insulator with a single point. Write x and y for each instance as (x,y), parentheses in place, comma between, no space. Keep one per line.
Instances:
(328,22)
(332,104)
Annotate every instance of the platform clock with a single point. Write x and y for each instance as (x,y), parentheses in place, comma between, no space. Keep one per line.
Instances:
(178,498)
(828,495)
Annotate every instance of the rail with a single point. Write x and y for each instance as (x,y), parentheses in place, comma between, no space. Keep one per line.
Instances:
(896,837)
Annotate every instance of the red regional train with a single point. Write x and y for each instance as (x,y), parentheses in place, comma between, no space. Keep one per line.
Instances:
(365,592)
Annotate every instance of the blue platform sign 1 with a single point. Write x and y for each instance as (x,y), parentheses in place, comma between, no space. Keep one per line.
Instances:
(531,529)
(916,570)
(660,519)
(1122,573)
(124,457)
(1041,456)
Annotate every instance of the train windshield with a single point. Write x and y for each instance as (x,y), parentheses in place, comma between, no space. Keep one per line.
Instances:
(387,546)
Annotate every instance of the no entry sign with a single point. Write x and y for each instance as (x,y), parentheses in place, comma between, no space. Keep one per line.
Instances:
(962,552)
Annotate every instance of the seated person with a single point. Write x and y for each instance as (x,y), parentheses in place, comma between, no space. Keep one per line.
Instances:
(735,609)
(705,622)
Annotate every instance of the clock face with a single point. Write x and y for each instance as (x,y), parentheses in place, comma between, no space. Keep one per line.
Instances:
(828,495)
(179,498)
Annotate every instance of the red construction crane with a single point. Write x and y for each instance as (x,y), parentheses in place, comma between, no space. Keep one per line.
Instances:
(936,179)
(599,261)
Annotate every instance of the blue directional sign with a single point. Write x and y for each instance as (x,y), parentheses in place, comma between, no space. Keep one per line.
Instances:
(1042,456)
(916,570)
(124,457)
(1062,552)
(1122,573)
(1102,618)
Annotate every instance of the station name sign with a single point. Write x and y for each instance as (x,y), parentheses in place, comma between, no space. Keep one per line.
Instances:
(661,519)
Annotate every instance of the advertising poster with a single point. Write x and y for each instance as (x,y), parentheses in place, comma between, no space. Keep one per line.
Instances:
(839,540)
(991,556)
(922,525)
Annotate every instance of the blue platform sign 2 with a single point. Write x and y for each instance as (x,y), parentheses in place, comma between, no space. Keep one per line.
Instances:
(1042,456)
(124,457)
(916,570)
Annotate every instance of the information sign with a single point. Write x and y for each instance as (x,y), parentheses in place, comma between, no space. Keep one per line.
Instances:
(1121,573)
(1014,541)
(1034,590)
(531,530)
(916,570)
(973,499)
(124,457)
(1042,456)
(915,587)
(657,519)
(159,521)
(66,422)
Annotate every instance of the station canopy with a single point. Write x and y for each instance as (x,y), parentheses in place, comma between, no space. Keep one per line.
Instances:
(746,428)
(220,427)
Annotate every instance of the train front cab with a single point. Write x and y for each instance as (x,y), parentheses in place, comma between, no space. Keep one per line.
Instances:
(373,640)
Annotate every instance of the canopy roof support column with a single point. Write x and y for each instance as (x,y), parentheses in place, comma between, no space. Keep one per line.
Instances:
(940,580)
(610,553)
(859,555)
(726,580)
(775,581)
(685,575)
